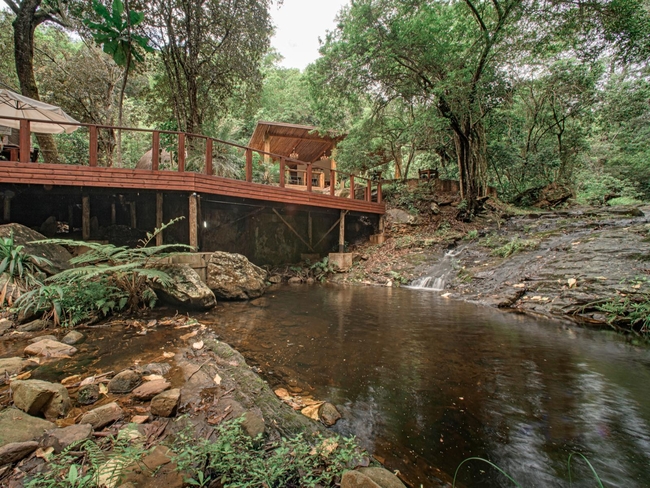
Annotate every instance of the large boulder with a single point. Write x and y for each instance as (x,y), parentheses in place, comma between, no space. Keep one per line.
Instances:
(233,277)
(41,397)
(187,289)
(50,349)
(57,255)
(17,426)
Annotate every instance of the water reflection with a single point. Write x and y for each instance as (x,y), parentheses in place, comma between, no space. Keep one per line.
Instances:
(425,383)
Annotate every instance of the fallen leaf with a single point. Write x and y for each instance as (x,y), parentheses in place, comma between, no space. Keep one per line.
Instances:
(198,345)
(44,453)
(169,355)
(70,380)
(572,282)
(88,381)
(189,336)
(217,379)
(282,393)
(637,286)
(326,448)
(103,389)
(22,376)
(519,285)
(139,419)
(312,411)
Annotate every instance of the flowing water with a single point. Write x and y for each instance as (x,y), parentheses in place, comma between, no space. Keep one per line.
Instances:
(425,383)
(436,278)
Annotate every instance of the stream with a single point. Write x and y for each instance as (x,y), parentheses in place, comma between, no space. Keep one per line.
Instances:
(424,383)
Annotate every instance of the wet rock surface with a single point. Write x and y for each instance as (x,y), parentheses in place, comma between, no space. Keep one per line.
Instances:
(57,255)
(125,382)
(59,439)
(233,277)
(18,426)
(38,397)
(187,289)
(583,258)
(101,416)
(15,451)
(50,349)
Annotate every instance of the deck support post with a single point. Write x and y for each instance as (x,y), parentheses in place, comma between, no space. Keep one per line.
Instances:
(342,232)
(85,217)
(134,221)
(70,218)
(309,229)
(193,217)
(159,217)
(113,214)
(7,207)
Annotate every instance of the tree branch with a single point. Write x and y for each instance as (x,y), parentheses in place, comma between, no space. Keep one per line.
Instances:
(13,6)
(477,16)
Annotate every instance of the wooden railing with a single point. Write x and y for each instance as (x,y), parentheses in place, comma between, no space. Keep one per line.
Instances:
(210,142)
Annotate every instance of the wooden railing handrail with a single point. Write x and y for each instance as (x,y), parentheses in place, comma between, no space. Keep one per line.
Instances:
(183,136)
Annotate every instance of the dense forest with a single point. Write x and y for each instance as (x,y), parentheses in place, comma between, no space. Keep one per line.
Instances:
(515,94)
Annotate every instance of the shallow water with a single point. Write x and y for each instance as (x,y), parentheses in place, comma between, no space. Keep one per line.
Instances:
(425,383)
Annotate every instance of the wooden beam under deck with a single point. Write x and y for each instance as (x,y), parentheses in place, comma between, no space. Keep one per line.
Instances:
(100,177)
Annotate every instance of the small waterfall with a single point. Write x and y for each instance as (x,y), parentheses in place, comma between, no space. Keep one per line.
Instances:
(436,277)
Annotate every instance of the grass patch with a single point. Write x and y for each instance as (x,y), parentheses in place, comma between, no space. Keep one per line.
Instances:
(514,246)
(630,313)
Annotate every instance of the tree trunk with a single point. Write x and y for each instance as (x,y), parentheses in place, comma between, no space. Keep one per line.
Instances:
(120,110)
(24,26)
(470,170)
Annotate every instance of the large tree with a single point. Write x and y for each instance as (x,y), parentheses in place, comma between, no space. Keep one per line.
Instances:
(29,15)
(211,50)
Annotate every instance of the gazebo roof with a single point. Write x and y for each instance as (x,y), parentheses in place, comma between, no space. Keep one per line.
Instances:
(284,139)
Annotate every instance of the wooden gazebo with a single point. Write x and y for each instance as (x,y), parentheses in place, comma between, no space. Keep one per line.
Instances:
(298,142)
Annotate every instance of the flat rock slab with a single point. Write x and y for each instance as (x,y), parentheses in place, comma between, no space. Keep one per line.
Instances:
(59,439)
(15,451)
(50,349)
(150,389)
(125,382)
(17,426)
(101,416)
(50,337)
(41,397)
(13,365)
(355,479)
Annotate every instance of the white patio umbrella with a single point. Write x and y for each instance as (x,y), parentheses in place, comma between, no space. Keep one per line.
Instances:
(13,104)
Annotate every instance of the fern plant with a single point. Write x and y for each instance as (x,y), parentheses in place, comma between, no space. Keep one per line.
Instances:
(21,268)
(114,278)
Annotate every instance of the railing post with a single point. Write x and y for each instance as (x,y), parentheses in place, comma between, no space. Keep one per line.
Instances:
(92,150)
(309,177)
(25,141)
(181,152)
(332,182)
(352,187)
(208,157)
(155,151)
(379,195)
(369,190)
(283,166)
(249,165)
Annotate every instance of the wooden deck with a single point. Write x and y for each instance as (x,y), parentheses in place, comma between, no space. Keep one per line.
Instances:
(101,177)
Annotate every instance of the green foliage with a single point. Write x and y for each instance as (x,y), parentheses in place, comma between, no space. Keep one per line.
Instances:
(116,34)
(322,269)
(472,235)
(233,459)
(514,246)
(106,279)
(87,464)
(629,313)
(21,267)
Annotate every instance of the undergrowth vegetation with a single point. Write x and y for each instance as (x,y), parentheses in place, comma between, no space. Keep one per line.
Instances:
(230,459)
(103,280)
(514,246)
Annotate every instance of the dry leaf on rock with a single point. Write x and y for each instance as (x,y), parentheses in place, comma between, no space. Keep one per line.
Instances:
(572,282)
(88,381)
(217,379)
(70,380)
(103,389)
(282,393)
(312,411)
(169,355)
(44,453)
(153,377)
(198,345)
